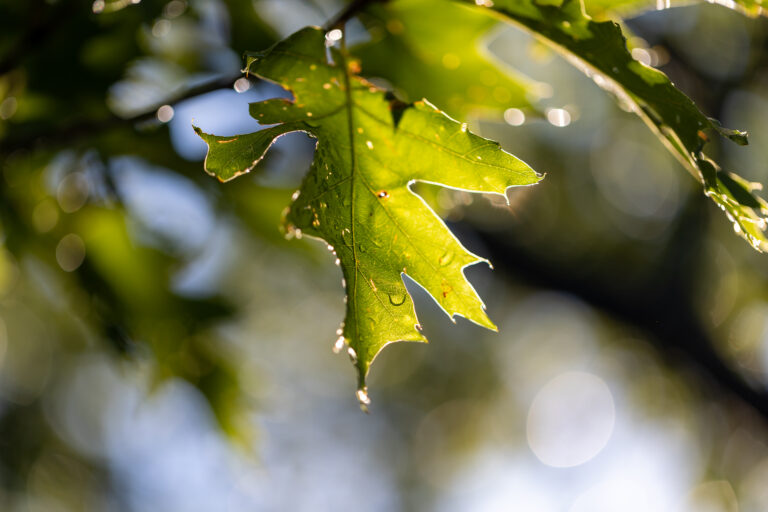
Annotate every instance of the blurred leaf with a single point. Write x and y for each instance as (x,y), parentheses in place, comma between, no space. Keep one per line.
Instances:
(601,8)
(599,49)
(440,55)
(356,196)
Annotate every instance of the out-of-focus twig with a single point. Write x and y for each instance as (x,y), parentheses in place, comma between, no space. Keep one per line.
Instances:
(64,135)
(661,308)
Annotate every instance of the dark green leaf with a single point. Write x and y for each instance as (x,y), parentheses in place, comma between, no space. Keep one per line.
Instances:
(599,49)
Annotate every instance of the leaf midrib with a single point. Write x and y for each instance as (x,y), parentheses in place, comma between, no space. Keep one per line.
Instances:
(353,168)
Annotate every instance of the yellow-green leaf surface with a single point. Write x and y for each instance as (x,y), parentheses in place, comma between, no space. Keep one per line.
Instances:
(357,197)
(599,49)
(602,8)
(434,49)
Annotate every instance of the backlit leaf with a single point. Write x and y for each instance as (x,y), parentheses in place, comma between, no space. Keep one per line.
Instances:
(599,49)
(357,198)
(601,8)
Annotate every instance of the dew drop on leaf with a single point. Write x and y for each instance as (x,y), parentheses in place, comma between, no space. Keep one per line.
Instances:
(363,398)
(352,355)
(338,346)
(346,235)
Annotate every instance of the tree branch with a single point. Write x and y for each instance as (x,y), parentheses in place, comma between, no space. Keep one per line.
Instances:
(63,135)
(662,309)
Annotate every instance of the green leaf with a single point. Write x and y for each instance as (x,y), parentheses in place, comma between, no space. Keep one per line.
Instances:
(600,50)
(602,8)
(371,148)
(440,54)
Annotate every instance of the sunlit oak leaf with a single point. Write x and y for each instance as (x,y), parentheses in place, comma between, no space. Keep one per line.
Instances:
(599,49)
(357,198)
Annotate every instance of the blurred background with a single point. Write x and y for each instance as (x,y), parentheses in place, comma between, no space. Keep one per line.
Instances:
(163,347)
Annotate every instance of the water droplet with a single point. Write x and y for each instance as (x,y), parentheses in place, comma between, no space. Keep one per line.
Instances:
(337,262)
(330,247)
(297,233)
(346,236)
(397,299)
(295,195)
(369,144)
(382,194)
(352,355)
(363,398)
(445,259)
(736,228)
(463,127)
(339,345)
(339,331)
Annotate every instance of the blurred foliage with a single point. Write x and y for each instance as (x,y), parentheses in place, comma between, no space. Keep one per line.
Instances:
(146,309)
(450,67)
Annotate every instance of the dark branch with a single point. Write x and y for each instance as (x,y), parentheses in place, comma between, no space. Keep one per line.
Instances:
(661,309)
(59,136)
